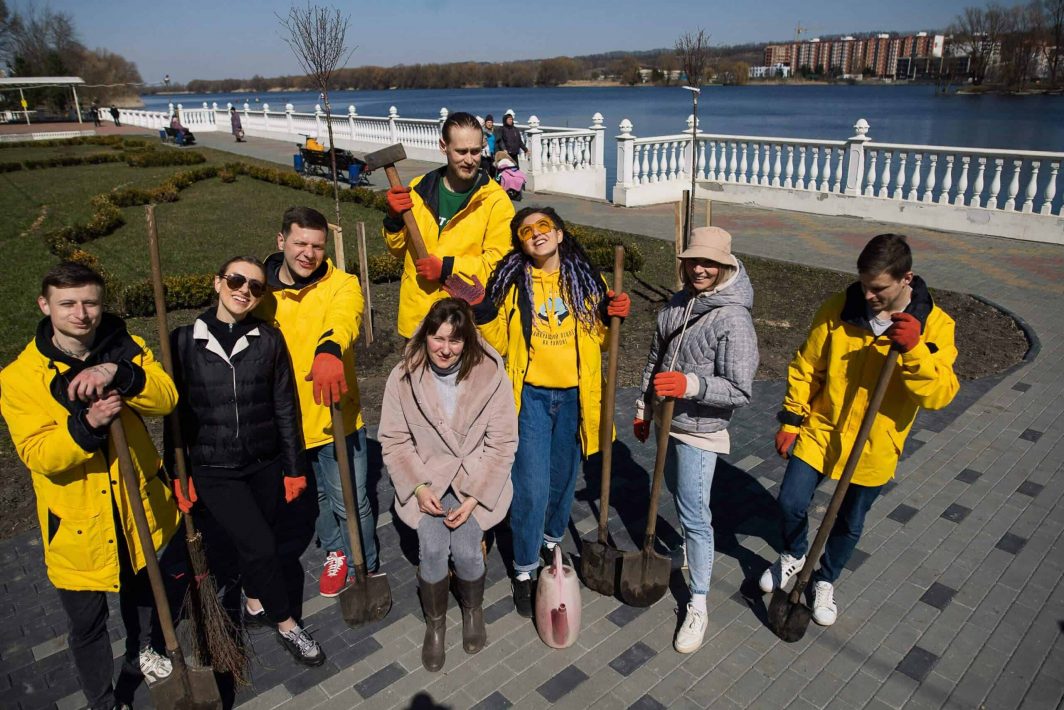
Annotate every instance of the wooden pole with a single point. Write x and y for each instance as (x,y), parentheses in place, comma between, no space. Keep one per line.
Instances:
(338,246)
(680,216)
(709,212)
(363,261)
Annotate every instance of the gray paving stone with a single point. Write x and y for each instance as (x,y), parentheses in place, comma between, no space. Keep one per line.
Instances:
(956,513)
(917,664)
(1030,488)
(630,660)
(968,475)
(1021,387)
(902,513)
(624,614)
(938,595)
(1011,543)
(646,702)
(1032,435)
(495,701)
(380,680)
(561,684)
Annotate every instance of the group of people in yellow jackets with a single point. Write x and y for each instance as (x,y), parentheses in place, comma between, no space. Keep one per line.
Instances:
(486,417)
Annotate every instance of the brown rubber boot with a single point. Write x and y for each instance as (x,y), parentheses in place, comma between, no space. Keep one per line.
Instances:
(471,598)
(434,598)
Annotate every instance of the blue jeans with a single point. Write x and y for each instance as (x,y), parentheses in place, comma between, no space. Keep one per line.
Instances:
(799,483)
(544,472)
(331,525)
(689,477)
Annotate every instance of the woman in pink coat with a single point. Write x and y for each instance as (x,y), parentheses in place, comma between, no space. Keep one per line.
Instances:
(448,434)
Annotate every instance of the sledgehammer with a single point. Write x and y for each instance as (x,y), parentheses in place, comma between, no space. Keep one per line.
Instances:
(387,158)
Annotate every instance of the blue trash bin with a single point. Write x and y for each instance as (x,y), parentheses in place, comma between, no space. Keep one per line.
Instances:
(297,161)
(353,171)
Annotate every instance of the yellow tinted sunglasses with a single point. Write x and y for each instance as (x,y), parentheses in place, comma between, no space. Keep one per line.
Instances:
(541,226)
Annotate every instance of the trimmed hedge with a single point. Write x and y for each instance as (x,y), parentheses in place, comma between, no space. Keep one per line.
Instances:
(599,244)
(138,299)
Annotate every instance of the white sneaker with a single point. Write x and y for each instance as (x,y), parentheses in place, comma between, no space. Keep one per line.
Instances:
(824,609)
(154,665)
(689,637)
(779,574)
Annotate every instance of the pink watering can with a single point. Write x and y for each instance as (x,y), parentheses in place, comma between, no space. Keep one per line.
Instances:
(558,604)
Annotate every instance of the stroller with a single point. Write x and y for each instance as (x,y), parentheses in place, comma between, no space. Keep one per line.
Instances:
(509,176)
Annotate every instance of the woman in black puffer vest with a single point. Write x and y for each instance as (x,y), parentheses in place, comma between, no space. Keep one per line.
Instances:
(243,439)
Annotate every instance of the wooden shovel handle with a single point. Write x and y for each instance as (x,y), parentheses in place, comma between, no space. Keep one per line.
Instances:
(350,505)
(659,471)
(147,546)
(609,399)
(173,421)
(412,232)
(847,473)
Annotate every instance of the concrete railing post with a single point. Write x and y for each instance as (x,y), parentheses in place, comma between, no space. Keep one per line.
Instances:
(393,129)
(598,145)
(318,113)
(351,113)
(266,117)
(535,146)
(855,158)
(288,109)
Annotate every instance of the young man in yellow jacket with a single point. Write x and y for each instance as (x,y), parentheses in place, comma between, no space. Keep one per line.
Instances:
(829,383)
(318,309)
(82,371)
(462,214)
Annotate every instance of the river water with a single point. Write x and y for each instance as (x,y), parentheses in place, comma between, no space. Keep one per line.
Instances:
(899,114)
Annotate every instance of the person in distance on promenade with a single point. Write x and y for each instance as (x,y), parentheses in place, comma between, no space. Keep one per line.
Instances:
(243,439)
(704,354)
(487,157)
(508,138)
(318,309)
(462,214)
(235,125)
(80,373)
(829,383)
(448,434)
(547,310)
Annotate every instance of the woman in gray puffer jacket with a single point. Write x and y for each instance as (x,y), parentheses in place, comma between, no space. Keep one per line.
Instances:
(704,354)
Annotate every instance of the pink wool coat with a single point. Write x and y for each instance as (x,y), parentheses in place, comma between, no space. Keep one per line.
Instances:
(472,454)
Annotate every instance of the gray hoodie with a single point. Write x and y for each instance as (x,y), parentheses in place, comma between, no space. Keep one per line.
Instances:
(720,350)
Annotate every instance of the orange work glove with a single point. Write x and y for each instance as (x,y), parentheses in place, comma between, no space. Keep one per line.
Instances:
(399,200)
(670,384)
(641,427)
(294,487)
(430,267)
(620,304)
(184,504)
(327,373)
(458,287)
(784,442)
(905,333)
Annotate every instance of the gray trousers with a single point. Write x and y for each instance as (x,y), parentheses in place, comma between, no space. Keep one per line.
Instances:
(438,543)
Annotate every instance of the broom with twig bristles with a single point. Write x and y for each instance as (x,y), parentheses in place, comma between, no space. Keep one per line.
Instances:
(217,641)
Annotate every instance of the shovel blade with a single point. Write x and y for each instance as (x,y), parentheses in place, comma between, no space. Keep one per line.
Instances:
(644,577)
(187,688)
(788,619)
(367,600)
(598,566)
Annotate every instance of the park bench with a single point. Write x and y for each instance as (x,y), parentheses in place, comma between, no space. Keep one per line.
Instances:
(171,135)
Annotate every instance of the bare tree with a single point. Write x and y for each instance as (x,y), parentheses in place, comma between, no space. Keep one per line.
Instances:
(1053,48)
(692,49)
(318,38)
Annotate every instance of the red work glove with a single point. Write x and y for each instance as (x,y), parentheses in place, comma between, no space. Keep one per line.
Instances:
(784,442)
(620,304)
(327,373)
(184,504)
(457,287)
(294,487)
(641,428)
(430,267)
(670,384)
(399,200)
(905,333)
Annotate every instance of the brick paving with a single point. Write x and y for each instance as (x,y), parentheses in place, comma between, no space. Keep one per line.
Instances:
(954,598)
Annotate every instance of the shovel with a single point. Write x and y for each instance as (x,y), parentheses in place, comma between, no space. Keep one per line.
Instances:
(185,687)
(368,598)
(598,560)
(645,574)
(788,617)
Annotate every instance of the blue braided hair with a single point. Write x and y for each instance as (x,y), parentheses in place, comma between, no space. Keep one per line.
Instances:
(582,288)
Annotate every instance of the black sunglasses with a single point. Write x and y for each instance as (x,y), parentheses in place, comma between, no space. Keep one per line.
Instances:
(236,281)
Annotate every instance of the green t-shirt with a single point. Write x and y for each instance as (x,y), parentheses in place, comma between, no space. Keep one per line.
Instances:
(450,203)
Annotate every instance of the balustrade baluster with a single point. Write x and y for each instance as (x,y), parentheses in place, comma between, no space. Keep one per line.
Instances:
(814,169)
(713,160)
(585,153)
(931,180)
(884,178)
(755,168)
(766,165)
(732,161)
(947,182)
(899,185)
(655,149)
(644,171)
(671,174)
(870,186)
(914,187)
(681,161)
(839,156)
(1014,186)
(801,168)
(777,166)
(701,160)
(995,184)
(977,188)
(962,181)
(1051,190)
(1032,187)
(743,166)
(787,181)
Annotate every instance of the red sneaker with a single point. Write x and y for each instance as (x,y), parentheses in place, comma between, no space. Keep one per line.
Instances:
(334,575)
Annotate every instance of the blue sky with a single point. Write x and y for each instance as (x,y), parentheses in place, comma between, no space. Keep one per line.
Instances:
(191,39)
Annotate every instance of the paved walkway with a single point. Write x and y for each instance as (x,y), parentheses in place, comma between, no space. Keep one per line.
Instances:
(953,599)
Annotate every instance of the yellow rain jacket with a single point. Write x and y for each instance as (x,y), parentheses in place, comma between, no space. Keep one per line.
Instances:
(510,333)
(831,377)
(470,244)
(74,471)
(322,315)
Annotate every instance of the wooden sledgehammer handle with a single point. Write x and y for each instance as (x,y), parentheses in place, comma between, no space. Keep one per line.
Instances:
(412,232)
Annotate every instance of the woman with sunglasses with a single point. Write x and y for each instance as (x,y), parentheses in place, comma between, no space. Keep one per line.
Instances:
(243,439)
(547,310)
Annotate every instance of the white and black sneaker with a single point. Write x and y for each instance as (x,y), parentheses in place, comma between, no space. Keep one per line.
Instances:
(779,574)
(153,665)
(824,609)
(302,647)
